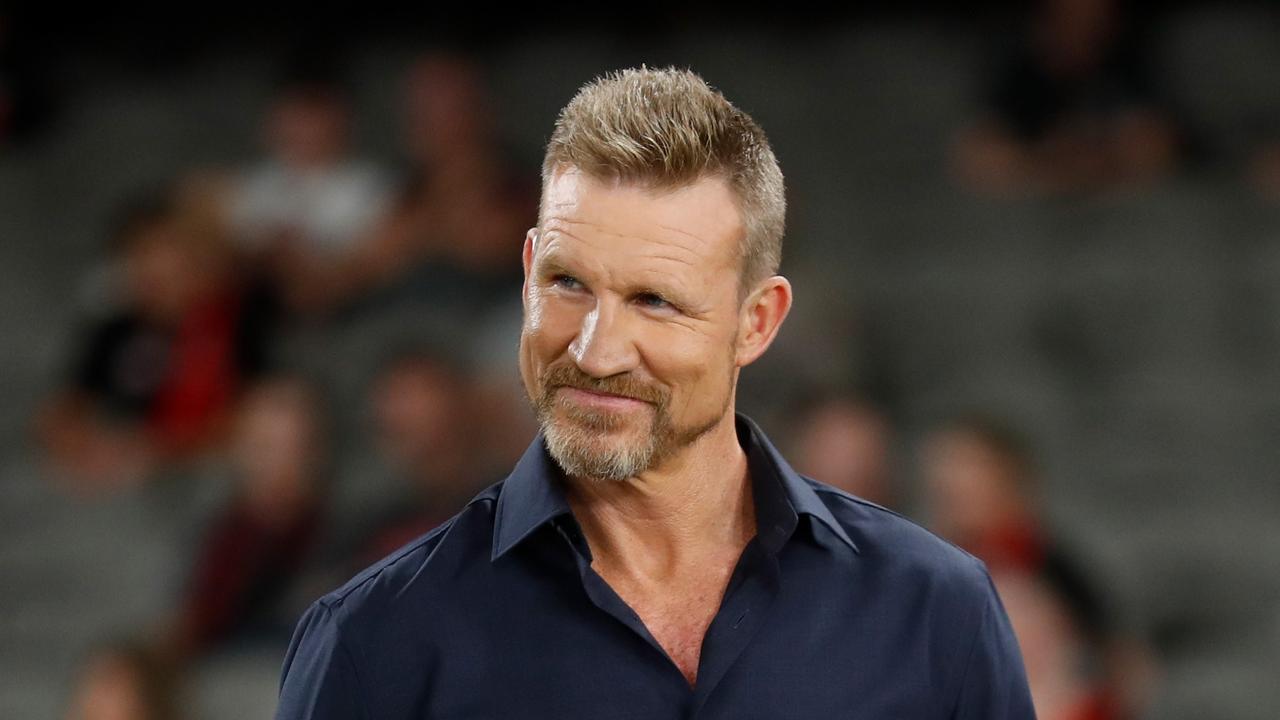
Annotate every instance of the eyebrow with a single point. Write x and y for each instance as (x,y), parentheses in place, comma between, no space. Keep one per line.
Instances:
(551,264)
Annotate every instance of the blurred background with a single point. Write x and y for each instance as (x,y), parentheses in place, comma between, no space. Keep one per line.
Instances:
(259,297)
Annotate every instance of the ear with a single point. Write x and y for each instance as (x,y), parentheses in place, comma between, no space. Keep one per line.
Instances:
(761,317)
(526,258)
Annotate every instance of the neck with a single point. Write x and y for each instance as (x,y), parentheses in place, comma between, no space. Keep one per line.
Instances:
(694,509)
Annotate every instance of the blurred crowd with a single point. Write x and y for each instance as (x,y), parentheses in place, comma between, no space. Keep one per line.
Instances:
(221,295)
(1074,105)
(222,289)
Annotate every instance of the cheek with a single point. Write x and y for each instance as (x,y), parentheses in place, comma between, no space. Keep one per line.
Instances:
(549,327)
(694,364)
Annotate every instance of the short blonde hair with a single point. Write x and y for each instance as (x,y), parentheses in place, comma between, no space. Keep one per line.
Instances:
(666,129)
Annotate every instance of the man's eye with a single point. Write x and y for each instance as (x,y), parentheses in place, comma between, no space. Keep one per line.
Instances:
(568,282)
(653,301)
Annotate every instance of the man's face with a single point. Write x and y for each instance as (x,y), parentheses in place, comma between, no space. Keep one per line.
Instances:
(632,314)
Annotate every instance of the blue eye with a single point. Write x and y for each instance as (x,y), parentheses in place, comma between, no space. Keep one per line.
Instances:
(653,301)
(566,281)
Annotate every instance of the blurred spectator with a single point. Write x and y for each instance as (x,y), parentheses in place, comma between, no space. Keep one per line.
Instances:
(425,421)
(259,542)
(155,379)
(453,236)
(125,681)
(845,441)
(302,212)
(977,487)
(1071,108)
(1053,651)
(979,492)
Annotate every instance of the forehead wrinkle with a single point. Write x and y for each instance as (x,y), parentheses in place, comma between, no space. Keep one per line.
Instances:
(570,221)
(667,243)
(699,239)
(552,253)
(673,258)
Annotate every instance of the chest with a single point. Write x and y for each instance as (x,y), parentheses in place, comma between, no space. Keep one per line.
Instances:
(677,614)
(819,641)
(801,661)
(679,624)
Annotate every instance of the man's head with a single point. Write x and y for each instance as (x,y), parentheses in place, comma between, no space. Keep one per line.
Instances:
(979,477)
(845,440)
(308,123)
(666,129)
(160,263)
(649,280)
(278,446)
(421,403)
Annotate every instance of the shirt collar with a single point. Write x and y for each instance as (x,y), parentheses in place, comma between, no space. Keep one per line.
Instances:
(533,494)
(781,494)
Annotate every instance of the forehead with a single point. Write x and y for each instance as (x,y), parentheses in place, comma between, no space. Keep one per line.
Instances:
(697,225)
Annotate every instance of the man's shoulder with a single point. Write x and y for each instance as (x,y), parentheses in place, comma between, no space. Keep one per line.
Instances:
(897,544)
(418,566)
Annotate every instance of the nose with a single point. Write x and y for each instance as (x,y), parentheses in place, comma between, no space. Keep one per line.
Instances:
(604,345)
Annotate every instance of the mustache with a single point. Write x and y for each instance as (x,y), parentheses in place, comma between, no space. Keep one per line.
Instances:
(624,385)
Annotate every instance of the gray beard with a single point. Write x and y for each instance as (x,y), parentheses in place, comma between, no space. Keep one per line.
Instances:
(576,443)
(574,452)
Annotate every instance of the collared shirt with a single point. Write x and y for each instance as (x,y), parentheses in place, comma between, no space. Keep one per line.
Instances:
(837,608)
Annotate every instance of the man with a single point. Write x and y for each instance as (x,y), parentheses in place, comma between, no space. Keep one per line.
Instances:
(652,555)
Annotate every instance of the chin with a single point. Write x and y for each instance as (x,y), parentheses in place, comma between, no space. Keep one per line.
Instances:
(586,454)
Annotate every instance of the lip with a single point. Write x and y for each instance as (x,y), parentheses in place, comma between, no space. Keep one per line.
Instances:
(601,400)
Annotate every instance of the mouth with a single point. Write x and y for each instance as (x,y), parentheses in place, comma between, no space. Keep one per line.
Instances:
(602,400)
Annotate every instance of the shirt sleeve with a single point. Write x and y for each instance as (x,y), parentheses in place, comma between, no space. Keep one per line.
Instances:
(995,682)
(319,681)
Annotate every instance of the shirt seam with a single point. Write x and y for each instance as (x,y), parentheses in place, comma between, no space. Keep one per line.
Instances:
(355,670)
(973,650)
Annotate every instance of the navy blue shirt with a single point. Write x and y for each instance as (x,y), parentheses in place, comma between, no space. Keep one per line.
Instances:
(837,608)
